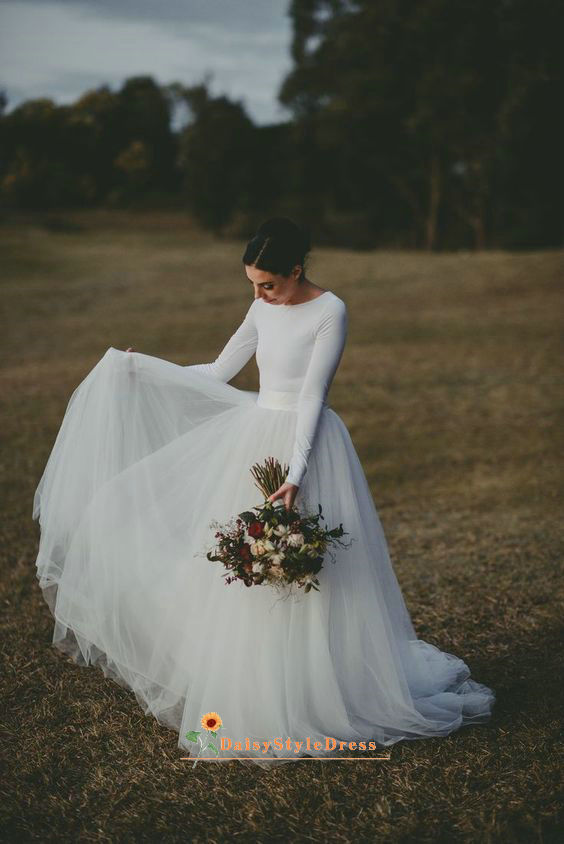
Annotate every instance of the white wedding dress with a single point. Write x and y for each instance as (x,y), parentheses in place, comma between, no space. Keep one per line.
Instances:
(149,454)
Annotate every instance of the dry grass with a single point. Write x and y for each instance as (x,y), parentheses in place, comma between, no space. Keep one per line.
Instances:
(451,386)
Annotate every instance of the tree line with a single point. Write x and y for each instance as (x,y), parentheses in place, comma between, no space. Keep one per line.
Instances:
(414,124)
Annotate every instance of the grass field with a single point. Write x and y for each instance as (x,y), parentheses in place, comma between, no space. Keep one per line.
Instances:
(451,387)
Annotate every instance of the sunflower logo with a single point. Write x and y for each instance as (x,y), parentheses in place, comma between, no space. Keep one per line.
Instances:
(212,722)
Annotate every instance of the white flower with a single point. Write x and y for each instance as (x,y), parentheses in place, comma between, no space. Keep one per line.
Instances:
(282,531)
(277,558)
(296,539)
(257,567)
(261,546)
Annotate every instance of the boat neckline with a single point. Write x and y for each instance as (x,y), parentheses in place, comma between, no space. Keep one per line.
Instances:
(300,304)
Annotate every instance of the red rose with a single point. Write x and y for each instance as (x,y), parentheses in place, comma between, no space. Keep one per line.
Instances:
(245,552)
(248,566)
(255,530)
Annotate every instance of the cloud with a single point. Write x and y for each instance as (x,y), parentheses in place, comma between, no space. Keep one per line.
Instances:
(247,16)
(60,49)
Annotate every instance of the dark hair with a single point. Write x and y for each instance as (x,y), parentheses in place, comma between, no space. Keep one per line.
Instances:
(278,245)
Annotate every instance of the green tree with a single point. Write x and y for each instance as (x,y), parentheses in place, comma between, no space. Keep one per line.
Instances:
(412,100)
(215,155)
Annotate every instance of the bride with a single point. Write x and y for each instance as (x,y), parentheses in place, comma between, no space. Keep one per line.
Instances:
(148,454)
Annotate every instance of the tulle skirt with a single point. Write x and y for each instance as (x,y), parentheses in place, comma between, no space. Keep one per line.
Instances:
(148,457)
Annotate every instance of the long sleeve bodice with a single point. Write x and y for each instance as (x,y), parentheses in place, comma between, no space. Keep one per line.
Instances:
(298,349)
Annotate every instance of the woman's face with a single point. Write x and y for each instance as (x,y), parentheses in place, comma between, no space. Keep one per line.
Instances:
(275,289)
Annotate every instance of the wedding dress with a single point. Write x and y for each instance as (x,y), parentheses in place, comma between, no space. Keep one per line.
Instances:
(148,454)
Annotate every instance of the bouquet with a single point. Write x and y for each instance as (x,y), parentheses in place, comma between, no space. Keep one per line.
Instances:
(271,545)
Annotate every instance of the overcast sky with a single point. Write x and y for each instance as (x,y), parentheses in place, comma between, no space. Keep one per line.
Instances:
(61,48)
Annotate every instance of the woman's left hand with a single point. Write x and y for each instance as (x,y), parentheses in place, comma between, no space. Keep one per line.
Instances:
(288,492)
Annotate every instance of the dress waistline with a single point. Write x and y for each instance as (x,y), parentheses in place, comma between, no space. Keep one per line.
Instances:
(279,399)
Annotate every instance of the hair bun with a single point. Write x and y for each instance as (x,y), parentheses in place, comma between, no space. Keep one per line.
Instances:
(278,246)
(282,228)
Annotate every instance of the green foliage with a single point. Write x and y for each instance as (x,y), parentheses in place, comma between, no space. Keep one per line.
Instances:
(416,109)
(106,147)
(427,124)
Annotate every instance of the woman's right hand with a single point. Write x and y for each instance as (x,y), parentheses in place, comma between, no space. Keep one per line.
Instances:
(131,349)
